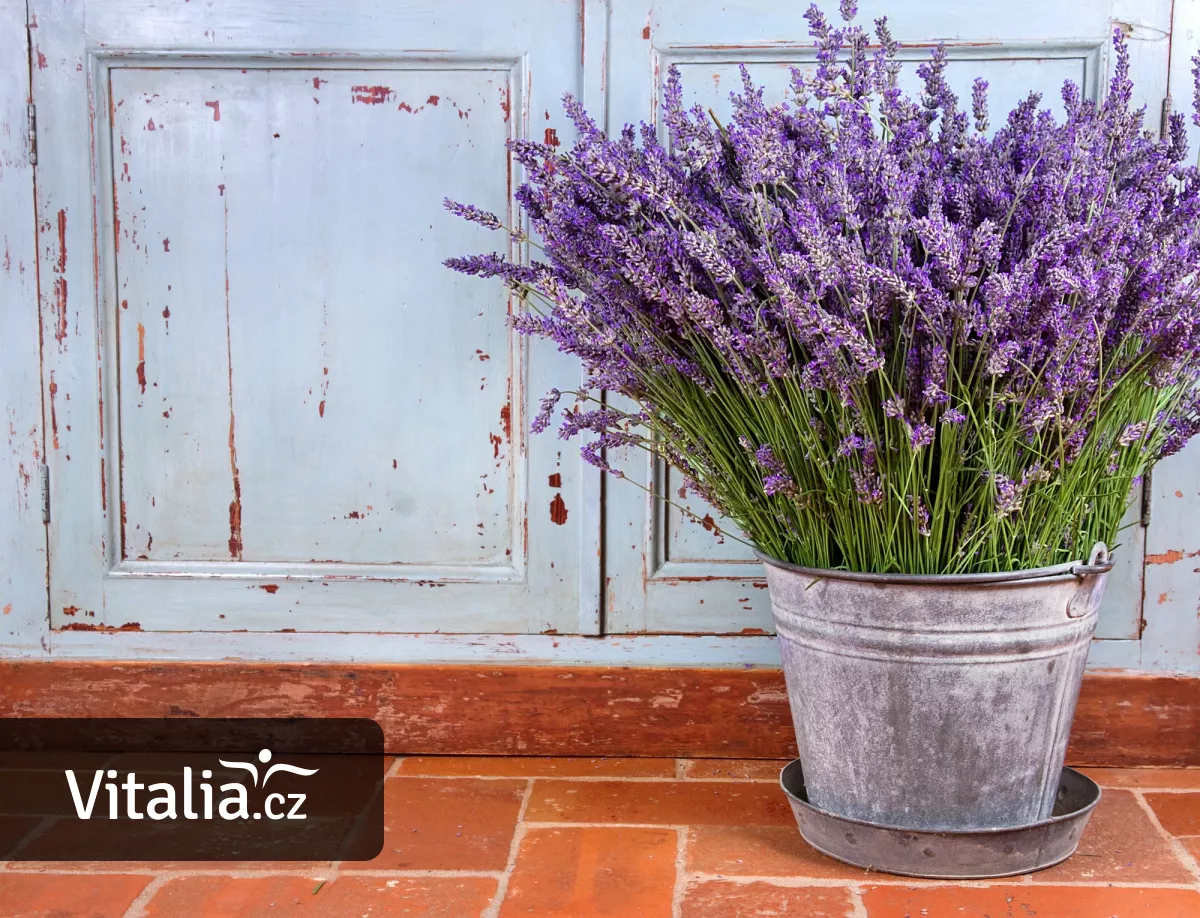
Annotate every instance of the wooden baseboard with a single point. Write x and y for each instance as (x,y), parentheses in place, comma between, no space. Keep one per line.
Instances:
(1122,718)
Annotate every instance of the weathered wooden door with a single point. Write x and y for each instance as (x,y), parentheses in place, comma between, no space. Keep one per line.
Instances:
(667,573)
(269,406)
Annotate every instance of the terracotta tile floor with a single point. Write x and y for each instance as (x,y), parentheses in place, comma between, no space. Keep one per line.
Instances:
(576,838)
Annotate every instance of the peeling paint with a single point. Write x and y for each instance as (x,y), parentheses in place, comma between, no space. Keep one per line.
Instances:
(141,367)
(53,411)
(106,629)
(433,100)
(551,137)
(558,510)
(506,420)
(496,440)
(60,282)
(216,107)
(166,245)
(271,588)
(556,480)
(371,95)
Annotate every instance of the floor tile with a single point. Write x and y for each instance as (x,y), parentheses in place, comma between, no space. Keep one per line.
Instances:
(716,899)
(1178,813)
(764,851)
(591,872)
(1029,901)
(45,895)
(1120,845)
(757,769)
(667,803)
(345,897)
(536,766)
(434,824)
(1174,778)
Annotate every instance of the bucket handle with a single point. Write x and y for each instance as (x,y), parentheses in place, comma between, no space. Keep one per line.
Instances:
(1098,563)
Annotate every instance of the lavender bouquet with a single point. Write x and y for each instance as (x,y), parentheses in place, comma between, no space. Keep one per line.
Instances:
(874,335)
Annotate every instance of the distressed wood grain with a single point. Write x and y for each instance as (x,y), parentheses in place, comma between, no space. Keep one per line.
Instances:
(540,710)
(22,445)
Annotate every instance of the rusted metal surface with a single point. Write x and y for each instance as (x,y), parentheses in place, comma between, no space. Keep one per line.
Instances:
(968,855)
(935,703)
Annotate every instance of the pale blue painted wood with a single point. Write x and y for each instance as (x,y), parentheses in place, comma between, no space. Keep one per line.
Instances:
(22,534)
(284,412)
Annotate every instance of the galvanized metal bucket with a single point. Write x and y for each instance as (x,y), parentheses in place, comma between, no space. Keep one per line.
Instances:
(935,702)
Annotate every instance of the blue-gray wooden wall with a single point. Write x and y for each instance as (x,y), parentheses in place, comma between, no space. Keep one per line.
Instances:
(275,428)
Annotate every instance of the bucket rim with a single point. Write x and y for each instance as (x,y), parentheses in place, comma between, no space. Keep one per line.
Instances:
(1071,569)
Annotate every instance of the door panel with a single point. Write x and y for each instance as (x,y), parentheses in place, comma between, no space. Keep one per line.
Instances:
(275,409)
(673,571)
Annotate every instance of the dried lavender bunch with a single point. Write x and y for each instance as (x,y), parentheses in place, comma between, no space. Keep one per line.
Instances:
(872,335)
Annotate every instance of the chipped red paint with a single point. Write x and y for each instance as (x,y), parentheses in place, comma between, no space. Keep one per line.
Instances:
(646,32)
(558,510)
(317,81)
(53,411)
(371,95)
(354,515)
(269,587)
(141,367)
(481,355)
(709,523)
(321,408)
(103,487)
(556,480)
(166,314)
(41,59)
(166,245)
(496,440)
(393,463)
(506,102)
(405,107)
(551,137)
(60,282)
(70,611)
(150,125)
(506,420)
(216,107)
(107,629)
(433,100)
(1167,557)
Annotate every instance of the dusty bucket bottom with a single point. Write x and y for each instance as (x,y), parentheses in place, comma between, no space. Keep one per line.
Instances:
(971,855)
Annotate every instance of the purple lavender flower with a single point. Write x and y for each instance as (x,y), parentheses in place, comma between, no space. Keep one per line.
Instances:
(839,274)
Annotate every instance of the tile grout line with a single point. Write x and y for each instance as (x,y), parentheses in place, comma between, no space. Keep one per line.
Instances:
(858,908)
(795,881)
(681,876)
(137,908)
(394,769)
(1177,847)
(630,779)
(493,909)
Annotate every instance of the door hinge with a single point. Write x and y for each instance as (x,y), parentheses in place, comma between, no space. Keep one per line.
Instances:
(1164,124)
(32,116)
(45,494)
(1147,497)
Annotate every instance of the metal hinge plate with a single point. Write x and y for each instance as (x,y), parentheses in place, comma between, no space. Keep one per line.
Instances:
(1164,124)
(32,115)
(1147,498)
(45,494)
